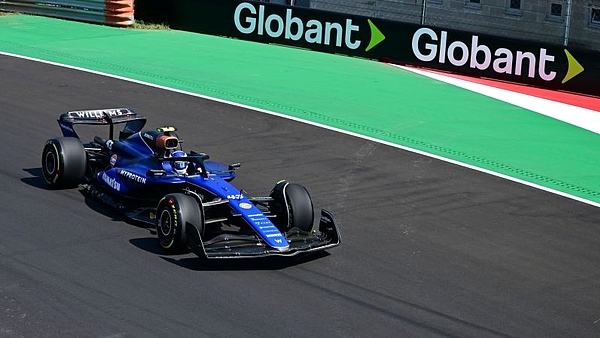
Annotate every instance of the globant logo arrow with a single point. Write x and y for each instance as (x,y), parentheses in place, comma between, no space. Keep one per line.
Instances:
(575,68)
(376,36)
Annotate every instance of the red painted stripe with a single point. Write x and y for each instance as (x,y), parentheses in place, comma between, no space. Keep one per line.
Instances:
(578,100)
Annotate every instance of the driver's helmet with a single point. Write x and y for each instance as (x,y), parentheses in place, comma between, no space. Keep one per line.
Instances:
(180,167)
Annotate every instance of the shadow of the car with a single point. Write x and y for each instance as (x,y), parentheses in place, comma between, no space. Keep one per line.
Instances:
(264,263)
(150,244)
(193,262)
(36,180)
(102,209)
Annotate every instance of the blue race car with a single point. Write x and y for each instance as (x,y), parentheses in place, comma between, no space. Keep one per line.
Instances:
(147,176)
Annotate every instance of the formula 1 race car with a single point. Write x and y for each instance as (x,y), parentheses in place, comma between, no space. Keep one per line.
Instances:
(188,198)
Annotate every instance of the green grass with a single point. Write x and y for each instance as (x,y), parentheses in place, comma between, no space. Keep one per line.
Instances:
(151,26)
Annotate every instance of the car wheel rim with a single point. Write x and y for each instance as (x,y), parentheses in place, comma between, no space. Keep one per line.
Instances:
(165,223)
(50,163)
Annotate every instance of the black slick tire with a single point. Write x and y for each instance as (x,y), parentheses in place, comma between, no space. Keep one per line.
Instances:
(292,206)
(63,162)
(174,213)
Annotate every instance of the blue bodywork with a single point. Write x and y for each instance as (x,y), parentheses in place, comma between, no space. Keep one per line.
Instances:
(129,177)
(134,171)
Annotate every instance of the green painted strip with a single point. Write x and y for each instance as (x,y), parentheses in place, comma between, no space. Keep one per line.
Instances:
(357,95)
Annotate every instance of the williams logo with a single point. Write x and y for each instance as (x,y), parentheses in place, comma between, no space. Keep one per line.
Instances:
(250,20)
(427,46)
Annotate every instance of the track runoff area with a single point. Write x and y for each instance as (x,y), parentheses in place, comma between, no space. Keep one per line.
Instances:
(575,109)
(578,110)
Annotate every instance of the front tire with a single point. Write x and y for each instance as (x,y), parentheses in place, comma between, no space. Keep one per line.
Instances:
(63,162)
(174,213)
(292,206)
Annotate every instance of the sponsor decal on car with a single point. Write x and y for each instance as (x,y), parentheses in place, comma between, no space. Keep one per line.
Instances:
(111,182)
(113,160)
(66,127)
(99,114)
(132,176)
(245,205)
(262,222)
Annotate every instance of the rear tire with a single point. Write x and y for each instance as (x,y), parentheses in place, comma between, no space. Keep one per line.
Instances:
(292,206)
(174,213)
(63,162)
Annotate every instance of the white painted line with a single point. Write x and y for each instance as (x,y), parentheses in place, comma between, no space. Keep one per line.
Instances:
(416,151)
(581,117)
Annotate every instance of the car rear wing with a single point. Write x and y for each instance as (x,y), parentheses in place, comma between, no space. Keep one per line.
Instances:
(111,116)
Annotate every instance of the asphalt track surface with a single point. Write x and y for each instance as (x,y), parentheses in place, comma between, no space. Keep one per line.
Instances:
(430,249)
